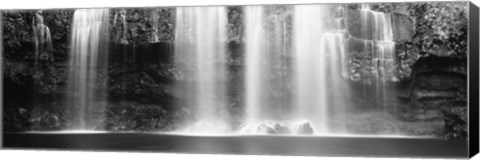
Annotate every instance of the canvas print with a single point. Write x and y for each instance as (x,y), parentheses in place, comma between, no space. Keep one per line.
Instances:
(352,79)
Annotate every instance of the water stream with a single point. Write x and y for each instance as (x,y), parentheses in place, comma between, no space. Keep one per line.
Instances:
(319,48)
(88,67)
(42,39)
(319,69)
(200,49)
(382,48)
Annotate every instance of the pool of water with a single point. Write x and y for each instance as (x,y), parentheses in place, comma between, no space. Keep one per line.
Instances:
(343,146)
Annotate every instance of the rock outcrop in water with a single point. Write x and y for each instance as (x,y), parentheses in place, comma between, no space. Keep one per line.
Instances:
(305,128)
(277,127)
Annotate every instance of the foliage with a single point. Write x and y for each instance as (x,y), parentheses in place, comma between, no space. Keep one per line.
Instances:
(407,56)
(441,28)
(17,27)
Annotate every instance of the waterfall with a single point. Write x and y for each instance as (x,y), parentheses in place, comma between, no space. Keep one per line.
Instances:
(314,71)
(88,67)
(266,68)
(42,39)
(122,38)
(318,71)
(383,48)
(255,55)
(200,49)
(319,52)
(155,17)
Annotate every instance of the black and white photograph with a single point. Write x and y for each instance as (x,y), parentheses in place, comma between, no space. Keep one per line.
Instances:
(372,79)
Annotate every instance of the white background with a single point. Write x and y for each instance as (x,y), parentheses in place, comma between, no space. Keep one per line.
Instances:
(83,155)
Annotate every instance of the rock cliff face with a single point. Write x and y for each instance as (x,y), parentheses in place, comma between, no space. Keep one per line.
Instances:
(142,39)
(362,27)
(439,91)
(403,28)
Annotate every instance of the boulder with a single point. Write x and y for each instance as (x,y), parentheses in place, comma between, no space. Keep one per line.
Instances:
(282,129)
(266,129)
(276,127)
(305,128)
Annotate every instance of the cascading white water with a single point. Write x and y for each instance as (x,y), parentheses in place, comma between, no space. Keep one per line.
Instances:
(88,67)
(122,14)
(266,69)
(200,49)
(383,48)
(319,70)
(154,18)
(319,53)
(255,58)
(42,39)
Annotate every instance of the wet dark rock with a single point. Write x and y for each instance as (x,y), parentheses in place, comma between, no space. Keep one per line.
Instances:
(142,25)
(434,63)
(45,121)
(125,116)
(16,120)
(439,91)
(140,86)
(438,81)
(458,108)
(403,28)
(422,115)
(131,116)
(359,26)
(141,55)
(421,95)
(455,127)
(441,80)
(360,46)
